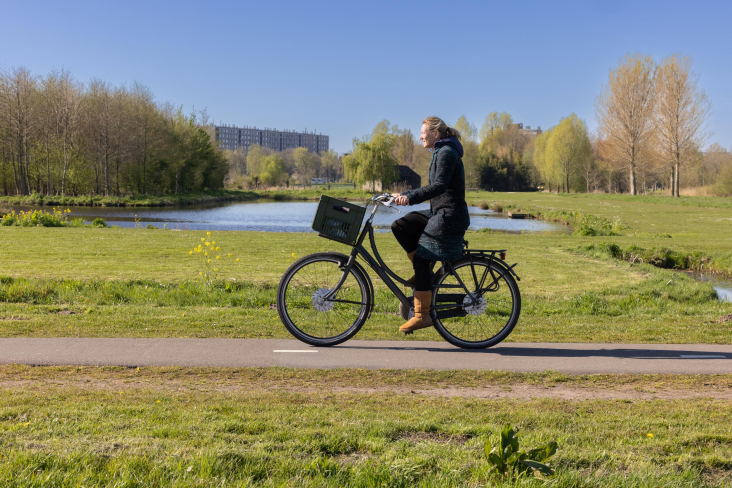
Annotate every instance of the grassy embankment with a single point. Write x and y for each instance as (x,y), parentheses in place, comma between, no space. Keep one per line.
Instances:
(143,283)
(200,198)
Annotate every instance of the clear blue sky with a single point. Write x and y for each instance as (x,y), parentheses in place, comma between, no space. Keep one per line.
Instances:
(340,67)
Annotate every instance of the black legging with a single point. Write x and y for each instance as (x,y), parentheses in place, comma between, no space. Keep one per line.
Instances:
(407,231)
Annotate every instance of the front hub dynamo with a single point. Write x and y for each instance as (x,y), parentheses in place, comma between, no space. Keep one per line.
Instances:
(319,301)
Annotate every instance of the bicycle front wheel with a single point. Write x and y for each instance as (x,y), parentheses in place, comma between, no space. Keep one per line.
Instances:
(485,315)
(304,308)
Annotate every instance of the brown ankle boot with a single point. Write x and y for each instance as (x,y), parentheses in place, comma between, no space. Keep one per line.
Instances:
(421,319)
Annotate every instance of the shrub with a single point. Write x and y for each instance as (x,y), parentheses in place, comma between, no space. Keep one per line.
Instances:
(99,222)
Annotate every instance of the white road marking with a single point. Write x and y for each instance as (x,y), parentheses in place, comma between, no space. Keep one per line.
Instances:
(294,350)
(699,356)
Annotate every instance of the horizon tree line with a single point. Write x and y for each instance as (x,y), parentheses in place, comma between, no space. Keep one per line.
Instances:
(59,136)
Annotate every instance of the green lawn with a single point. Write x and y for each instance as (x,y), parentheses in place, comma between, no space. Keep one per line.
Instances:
(271,427)
(142,283)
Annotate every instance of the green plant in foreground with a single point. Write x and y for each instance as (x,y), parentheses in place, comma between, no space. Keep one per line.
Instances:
(507,460)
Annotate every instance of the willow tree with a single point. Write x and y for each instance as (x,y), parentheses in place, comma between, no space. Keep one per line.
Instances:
(680,112)
(568,149)
(373,158)
(624,112)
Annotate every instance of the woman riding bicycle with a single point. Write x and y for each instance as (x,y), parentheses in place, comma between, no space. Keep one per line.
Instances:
(435,234)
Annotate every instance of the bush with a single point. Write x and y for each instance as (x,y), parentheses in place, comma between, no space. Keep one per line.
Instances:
(99,222)
(35,218)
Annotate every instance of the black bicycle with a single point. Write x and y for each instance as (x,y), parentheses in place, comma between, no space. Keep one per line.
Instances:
(323,299)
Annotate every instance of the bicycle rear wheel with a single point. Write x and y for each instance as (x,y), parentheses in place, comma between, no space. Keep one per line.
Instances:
(486,316)
(304,310)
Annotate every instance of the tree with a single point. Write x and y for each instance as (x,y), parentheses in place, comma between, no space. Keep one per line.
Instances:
(568,149)
(373,158)
(681,109)
(330,163)
(624,112)
(468,138)
(255,156)
(494,122)
(274,170)
(306,163)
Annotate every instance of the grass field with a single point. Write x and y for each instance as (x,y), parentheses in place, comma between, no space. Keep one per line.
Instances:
(278,427)
(143,283)
(181,427)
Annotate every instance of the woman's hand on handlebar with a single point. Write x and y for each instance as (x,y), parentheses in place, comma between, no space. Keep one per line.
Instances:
(400,199)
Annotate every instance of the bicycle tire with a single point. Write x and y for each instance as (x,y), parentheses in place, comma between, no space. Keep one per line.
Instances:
(307,316)
(492,318)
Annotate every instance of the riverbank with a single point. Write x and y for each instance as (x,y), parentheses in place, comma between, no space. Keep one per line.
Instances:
(185,199)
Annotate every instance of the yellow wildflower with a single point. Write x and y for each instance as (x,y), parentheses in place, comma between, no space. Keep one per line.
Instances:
(293,255)
(207,244)
(237,260)
(203,238)
(217,248)
(208,233)
(200,273)
(213,243)
(649,434)
(190,252)
(208,260)
(218,257)
(228,255)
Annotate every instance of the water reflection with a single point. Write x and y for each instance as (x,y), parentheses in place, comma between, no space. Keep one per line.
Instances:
(269,216)
(722,287)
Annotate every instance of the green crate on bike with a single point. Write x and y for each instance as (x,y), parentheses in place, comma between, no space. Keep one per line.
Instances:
(338,220)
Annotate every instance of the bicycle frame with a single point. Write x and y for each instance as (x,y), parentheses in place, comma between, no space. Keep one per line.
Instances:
(389,277)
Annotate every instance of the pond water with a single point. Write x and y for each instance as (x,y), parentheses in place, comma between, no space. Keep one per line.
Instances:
(721,286)
(269,216)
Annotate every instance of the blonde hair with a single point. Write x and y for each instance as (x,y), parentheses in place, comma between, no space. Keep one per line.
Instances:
(439,125)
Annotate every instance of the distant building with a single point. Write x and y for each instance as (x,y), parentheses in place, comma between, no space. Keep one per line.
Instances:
(233,138)
(528,130)
(407,177)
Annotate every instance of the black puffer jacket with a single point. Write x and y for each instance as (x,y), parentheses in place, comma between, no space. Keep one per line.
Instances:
(442,239)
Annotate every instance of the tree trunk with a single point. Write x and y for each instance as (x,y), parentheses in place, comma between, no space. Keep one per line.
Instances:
(632,180)
(676,178)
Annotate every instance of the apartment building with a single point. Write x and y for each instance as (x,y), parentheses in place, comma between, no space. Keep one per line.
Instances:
(232,138)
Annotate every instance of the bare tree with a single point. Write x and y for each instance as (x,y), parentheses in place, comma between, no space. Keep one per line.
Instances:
(624,111)
(681,110)
(17,103)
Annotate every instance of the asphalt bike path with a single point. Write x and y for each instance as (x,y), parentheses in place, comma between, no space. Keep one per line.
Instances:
(572,358)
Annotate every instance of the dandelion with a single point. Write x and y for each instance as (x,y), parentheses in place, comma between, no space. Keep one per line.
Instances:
(208,260)
(217,248)
(190,252)
(184,315)
(218,257)
(228,255)
(200,273)
(237,260)
(216,269)
(208,244)
(649,435)
(203,239)
(208,233)
(213,243)
(205,254)
(157,401)
(293,255)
